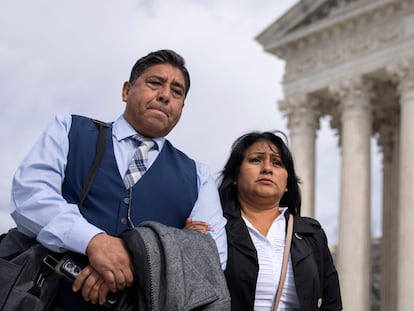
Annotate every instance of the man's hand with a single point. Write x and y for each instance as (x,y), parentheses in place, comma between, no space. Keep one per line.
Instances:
(201,226)
(109,257)
(94,288)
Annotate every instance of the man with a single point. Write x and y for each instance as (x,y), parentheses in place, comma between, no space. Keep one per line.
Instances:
(47,185)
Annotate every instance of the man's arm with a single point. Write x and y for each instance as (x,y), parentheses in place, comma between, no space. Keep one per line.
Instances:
(208,209)
(39,209)
(37,205)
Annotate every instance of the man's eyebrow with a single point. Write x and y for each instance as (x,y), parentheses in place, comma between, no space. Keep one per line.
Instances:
(163,79)
(156,77)
(178,84)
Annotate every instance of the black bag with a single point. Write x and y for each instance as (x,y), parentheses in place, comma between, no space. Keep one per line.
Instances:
(26,282)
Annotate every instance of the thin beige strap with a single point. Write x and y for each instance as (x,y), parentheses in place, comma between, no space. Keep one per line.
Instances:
(285,261)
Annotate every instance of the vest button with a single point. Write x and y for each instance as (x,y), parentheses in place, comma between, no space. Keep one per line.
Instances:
(126,200)
(124,221)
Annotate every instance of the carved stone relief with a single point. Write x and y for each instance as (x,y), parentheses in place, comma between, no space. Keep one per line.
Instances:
(328,9)
(343,43)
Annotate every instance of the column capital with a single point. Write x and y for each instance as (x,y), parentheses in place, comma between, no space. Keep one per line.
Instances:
(352,93)
(302,112)
(353,96)
(402,72)
(386,111)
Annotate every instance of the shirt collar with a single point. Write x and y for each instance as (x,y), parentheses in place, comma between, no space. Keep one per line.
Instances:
(121,129)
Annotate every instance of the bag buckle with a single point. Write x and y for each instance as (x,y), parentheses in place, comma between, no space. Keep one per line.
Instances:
(50,261)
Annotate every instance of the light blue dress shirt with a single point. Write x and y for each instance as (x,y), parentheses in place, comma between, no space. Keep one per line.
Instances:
(38,208)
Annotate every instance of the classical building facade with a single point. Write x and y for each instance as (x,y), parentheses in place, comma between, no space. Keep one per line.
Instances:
(353,60)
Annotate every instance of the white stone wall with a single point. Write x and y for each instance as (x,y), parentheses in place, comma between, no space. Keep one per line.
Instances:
(353,60)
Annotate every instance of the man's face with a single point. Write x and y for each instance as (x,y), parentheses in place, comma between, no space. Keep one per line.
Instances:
(155,101)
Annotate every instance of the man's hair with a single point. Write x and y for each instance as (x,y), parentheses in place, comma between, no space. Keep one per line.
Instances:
(160,57)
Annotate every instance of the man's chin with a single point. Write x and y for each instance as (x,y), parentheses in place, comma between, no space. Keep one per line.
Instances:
(156,129)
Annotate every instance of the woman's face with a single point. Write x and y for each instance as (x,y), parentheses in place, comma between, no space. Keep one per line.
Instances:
(262,178)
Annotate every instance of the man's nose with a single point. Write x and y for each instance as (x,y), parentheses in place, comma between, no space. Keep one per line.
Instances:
(164,95)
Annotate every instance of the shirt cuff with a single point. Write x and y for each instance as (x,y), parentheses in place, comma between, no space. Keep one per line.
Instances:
(80,235)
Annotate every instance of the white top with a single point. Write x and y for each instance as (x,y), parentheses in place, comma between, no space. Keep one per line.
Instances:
(270,255)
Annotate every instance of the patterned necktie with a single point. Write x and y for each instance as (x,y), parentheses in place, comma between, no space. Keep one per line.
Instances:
(137,167)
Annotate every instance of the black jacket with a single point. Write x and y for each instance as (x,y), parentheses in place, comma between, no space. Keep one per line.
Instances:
(316,278)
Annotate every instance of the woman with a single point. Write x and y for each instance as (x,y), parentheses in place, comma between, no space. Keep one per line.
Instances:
(258,190)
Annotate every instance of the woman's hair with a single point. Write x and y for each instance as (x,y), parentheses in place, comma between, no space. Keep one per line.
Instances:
(160,57)
(230,172)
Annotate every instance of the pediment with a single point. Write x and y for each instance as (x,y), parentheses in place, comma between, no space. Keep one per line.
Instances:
(308,16)
(325,10)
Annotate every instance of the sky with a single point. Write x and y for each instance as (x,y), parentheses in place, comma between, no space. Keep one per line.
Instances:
(71,57)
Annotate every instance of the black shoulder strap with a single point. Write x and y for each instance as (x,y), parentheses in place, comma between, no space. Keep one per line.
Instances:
(100,149)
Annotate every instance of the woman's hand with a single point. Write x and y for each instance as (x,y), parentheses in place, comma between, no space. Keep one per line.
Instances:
(201,226)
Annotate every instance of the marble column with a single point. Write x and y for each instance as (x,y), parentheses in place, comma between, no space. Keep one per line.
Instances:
(386,120)
(303,121)
(404,74)
(354,247)
(389,142)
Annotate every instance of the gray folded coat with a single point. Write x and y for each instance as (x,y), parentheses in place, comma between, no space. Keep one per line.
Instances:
(174,269)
